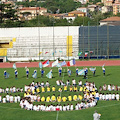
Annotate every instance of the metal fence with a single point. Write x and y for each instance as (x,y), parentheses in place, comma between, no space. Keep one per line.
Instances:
(102,40)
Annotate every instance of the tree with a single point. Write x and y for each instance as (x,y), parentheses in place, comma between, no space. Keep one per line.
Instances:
(81,21)
(8,16)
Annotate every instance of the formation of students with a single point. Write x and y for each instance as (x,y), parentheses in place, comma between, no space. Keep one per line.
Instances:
(41,87)
(108,87)
(11,90)
(26,104)
(10,99)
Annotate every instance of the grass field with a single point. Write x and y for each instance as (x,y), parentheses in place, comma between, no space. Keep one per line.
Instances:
(108,109)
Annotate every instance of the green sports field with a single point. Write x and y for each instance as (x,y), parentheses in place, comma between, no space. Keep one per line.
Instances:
(108,109)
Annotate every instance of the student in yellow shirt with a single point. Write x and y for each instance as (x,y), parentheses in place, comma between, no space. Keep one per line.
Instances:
(80,97)
(48,89)
(33,92)
(84,88)
(81,89)
(38,90)
(65,88)
(64,99)
(75,89)
(25,94)
(75,97)
(43,89)
(69,98)
(59,98)
(71,89)
(43,99)
(53,89)
(60,90)
(28,90)
(93,89)
(48,98)
(53,98)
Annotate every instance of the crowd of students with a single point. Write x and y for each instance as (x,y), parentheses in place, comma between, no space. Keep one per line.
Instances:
(26,104)
(88,94)
(11,90)
(108,87)
(10,99)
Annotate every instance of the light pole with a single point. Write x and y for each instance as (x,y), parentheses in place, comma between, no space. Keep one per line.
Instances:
(39,33)
(53,40)
(97,38)
(68,39)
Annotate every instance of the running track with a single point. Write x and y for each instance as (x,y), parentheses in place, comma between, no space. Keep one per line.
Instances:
(78,63)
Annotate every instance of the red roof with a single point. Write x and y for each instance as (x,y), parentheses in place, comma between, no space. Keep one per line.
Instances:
(114,18)
(76,12)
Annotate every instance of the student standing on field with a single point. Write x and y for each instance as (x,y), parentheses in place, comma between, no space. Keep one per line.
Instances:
(16,74)
(96,116)
(60,72)
(42,72)
(27,73)
(103,71)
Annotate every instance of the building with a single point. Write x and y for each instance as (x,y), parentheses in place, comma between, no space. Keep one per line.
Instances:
(92,8)
(103,1)
(77,13)
(82,1)
(111,20)
(106,9)
(108,3)
(69,18)
(116,7)
(31,12)
(83,9)
(55,16)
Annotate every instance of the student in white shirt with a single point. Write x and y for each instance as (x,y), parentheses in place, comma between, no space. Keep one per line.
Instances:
(71,107)
(80,83)
(76,107)
(7,90)
(4,99)
(73,82)
(107,96)
(0,98)
(68,107)
(30,107)
(7,98)
(42,84)
(14,89)
(67,82)
(103,97)
(35,108)
(60,106)
(47,108)
(117,97)
(15,99)
(54,108)
(0,90)
(22,103)
(58,83)
(18,98)
(11,99)
(113,96)
(64,107)
(109,87)
(47,83)
(97,96)
(113,87)
(11,89)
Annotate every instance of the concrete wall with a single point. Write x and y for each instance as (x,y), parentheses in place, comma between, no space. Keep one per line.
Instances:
(27,39)
(44,31)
